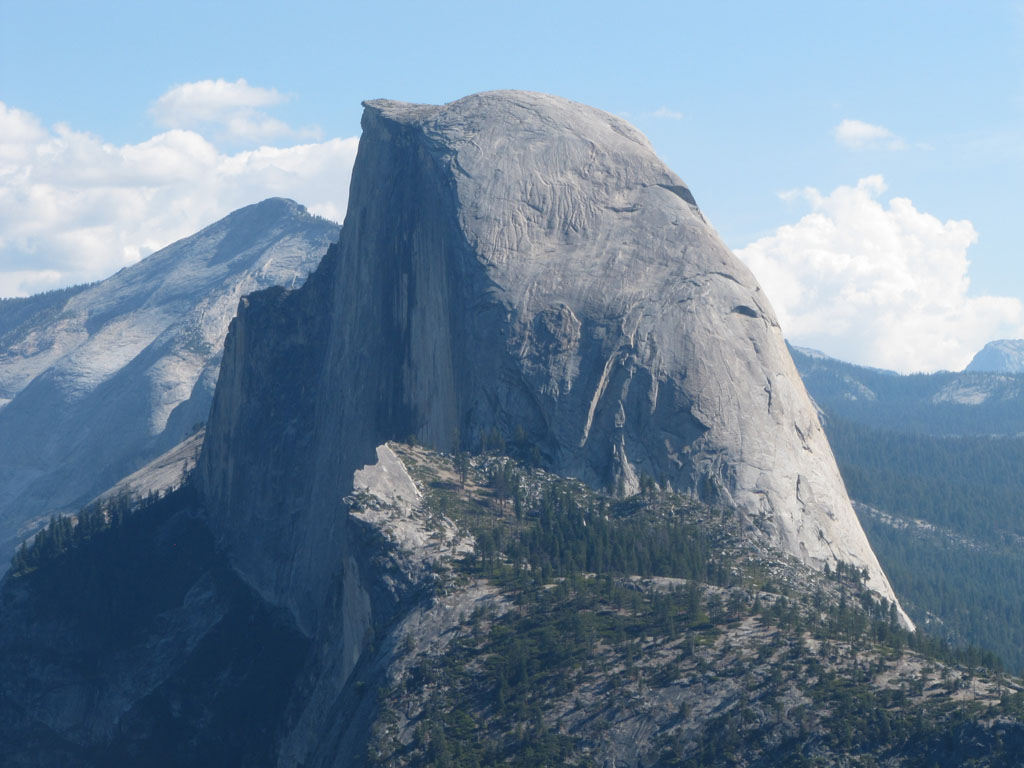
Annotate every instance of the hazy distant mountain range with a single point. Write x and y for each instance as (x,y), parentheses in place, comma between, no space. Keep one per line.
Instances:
(936,462)
(1003,356)
(943,403)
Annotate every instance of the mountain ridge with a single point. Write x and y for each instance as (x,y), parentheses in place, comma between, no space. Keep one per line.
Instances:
(1000,356)
(944,402)
(101,378)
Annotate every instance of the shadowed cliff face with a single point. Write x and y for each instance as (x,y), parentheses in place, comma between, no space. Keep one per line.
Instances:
(513,260)
(141,647)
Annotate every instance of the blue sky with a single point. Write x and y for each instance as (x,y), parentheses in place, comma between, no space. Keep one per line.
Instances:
(110,153)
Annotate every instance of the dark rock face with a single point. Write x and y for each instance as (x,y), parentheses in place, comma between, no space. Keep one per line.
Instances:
(266,418)
(514,260)
(143,647)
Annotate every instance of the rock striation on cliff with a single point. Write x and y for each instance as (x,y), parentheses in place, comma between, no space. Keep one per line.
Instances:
(515,263)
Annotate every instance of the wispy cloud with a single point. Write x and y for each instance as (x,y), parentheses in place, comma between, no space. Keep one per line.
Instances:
(879,283)
(667,114)
(661,113)
(856,134)
(235,111)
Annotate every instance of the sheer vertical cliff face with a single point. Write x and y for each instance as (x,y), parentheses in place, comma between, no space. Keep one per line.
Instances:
(512,260)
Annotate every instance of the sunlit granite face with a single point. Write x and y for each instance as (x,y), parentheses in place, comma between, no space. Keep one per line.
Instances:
(106,378)
(514,260)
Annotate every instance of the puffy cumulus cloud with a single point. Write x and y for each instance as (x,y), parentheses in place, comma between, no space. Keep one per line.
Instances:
(235,111)
(879,284)
(855,134)
(74,208)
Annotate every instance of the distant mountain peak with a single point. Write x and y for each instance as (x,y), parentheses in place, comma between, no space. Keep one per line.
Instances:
(265,211)
(1001,356)
(811,352)
(97,380)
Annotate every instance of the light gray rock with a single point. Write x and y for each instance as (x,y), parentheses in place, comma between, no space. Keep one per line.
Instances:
(164,473)
(1003,356)
(514,260)
(108,377)
(391,592)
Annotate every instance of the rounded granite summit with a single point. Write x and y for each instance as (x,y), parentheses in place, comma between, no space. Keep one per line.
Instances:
(518,262)
(1002,356)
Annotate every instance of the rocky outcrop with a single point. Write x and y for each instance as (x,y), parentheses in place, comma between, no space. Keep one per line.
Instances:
(140,646)
(96,382)
(166,472)
(398,594)
(514,261)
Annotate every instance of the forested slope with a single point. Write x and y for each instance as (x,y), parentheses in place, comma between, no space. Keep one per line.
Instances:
(937,465)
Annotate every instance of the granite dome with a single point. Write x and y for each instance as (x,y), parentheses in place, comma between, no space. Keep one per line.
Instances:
(514,261)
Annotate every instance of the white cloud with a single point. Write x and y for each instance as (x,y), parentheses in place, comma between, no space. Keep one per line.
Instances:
(661,113)
(28,282)
(879,284)
(234,111)
(74,208)
(668,114)
(855,134)
(207,99)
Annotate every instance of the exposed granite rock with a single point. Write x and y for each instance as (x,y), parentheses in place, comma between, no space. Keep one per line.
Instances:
(105,378)
(141,647)
(393,596)
(513,260)
(166,472)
